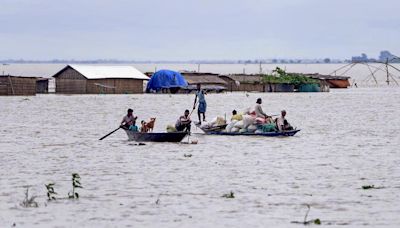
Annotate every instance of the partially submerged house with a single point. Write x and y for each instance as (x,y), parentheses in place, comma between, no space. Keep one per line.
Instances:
(17,85)
(93,79)
(243,82)
(42,85)
(209,81)
(331,80)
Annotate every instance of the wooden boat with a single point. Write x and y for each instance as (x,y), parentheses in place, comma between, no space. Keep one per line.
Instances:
(156,137)
(212,129)
(266,134)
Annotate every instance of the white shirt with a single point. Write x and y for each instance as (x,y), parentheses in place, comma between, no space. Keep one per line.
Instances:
(127,119)
(280,122)
(258,110)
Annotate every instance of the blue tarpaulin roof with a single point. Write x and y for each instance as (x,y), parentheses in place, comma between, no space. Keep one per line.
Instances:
(165,79)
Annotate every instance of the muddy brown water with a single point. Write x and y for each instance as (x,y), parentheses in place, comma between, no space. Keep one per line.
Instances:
(349,138)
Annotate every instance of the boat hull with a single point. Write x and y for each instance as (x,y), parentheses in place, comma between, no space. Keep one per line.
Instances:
(156,137)
(338,83)
(266,134)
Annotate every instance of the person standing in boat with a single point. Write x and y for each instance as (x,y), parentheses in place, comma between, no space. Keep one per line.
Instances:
(201,109)
(128,120)
(282,124)
(184,122)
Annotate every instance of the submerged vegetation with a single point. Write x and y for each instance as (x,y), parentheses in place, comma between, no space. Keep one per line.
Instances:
(280,76)
(75,184)
(366,187)
(50,191)
(29,201)
(71,195)
(230,195)
(316,221)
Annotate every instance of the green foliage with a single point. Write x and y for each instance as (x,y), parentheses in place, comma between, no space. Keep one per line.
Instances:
(50,191)
(230,195)
(282,77)
(75,184)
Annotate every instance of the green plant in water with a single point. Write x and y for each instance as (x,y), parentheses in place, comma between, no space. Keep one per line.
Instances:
(365,187)
(75,184)
(230,195)
(29,201)
(50,191)
(282,77)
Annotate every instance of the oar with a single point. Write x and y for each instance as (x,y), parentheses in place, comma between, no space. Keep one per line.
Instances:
(109,133)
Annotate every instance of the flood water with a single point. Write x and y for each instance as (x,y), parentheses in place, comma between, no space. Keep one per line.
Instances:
(349,139)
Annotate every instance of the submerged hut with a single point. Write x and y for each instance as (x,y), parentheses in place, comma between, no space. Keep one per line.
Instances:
(17,85)
(209,81)
(243,82)
(42,85)
(165,81)
(331,80)
(88,79)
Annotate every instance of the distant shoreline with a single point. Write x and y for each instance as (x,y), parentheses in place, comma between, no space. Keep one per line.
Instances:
(5,62)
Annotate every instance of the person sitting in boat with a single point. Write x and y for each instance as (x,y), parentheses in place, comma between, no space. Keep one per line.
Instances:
(236,116)
(134,128)
(128,120)
(258,109)
(183,123)
(282,124)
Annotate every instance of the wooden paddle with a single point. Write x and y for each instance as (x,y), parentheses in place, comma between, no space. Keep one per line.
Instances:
(110,133)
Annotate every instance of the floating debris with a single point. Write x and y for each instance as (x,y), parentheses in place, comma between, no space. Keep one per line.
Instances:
(230,195)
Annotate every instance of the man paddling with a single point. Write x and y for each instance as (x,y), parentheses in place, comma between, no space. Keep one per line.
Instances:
(201,109)
(128,120)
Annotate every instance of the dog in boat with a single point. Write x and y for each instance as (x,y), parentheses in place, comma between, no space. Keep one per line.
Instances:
(147,126)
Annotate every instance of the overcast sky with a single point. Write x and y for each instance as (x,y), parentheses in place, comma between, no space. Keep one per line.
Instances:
(197,29)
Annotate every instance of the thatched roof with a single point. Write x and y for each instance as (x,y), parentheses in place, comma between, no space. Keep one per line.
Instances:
(203,78)
(326,77)
(243,78)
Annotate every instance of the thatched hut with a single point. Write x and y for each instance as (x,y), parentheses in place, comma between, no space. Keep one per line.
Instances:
(331,80)
(42,85)
(16,85)
(208,81)
(243,82)
(87,79)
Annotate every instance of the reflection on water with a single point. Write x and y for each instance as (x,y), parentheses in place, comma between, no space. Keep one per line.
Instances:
(349,138)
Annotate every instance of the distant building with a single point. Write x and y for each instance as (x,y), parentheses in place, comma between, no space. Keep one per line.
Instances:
(89,79)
